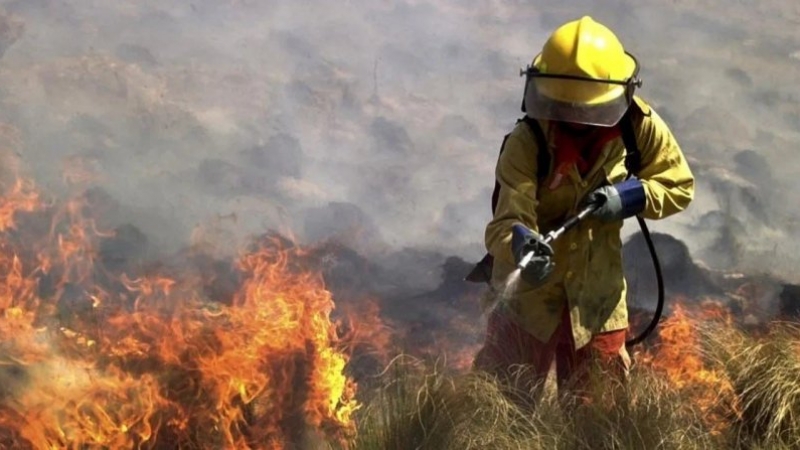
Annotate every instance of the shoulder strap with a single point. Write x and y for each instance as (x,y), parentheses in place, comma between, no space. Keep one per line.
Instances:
(633,158)
(542,152)
(496,192)
(542,157)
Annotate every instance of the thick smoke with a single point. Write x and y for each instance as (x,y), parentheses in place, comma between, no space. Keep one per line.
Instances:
(377,124)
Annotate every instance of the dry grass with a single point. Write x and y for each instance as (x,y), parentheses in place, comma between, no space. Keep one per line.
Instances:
(765,375)
(418,407)
(424,409)
(643,413)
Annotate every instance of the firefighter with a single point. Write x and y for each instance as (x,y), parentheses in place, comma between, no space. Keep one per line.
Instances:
(570,305)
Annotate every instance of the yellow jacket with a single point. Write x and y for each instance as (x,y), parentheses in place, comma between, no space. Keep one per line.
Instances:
(588,275)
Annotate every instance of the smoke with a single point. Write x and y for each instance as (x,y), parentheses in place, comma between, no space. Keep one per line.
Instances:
(378,124)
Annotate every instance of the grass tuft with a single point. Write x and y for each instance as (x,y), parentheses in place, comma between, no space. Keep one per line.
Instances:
(418,406)
(765,375)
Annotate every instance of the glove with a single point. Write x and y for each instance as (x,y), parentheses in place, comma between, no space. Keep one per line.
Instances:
(617,201)
(524,241)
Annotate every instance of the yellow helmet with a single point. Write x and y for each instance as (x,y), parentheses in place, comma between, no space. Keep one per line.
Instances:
(582,75)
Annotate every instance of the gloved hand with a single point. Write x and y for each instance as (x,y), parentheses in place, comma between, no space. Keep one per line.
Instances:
(524,241)
(617,201)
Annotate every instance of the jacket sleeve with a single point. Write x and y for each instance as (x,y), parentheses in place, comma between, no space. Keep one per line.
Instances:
(516,202)
(665,173)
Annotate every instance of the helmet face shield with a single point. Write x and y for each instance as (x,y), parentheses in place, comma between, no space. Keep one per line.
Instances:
(577,99)
(540,106)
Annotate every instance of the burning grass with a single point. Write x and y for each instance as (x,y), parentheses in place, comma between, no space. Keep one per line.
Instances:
(92,357)
(706,384)
(99,353)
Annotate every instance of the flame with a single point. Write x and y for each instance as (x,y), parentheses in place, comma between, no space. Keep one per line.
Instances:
(367,333)
(679,357)
(93,359)
(23,197)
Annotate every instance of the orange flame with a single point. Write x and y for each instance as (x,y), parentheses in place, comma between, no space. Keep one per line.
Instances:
(148,361)
(22,197)
(679,357)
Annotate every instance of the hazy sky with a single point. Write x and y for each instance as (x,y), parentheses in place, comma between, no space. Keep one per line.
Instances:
(379,121)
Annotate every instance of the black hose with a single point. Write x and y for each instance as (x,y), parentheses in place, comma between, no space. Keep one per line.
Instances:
(660,280)
(484,269)
(573,221)
(569,224)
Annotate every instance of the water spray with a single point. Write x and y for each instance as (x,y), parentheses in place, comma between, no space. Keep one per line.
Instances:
(482,271)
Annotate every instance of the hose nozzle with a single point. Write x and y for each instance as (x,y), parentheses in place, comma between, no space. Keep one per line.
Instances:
(521,235)
(525,240)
